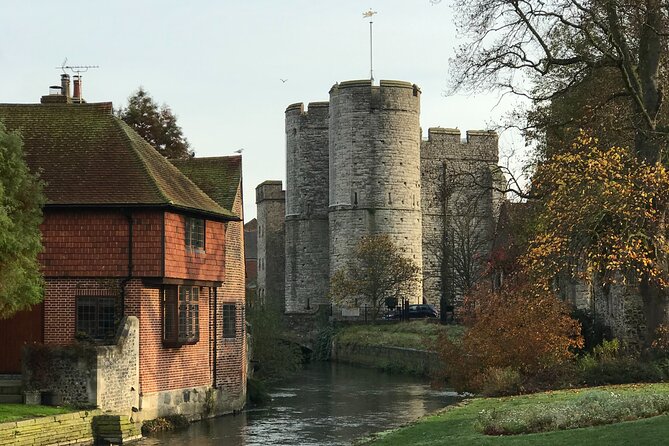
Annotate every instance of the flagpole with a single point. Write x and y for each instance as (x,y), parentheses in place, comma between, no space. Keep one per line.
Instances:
(371,63)
(370,14)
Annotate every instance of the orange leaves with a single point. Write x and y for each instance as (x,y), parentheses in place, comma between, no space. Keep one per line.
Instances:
(523,326)
(604,212)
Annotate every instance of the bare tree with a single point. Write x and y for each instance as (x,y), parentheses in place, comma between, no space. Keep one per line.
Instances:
(377,272)
(553,51)
(460,248)
(543,49)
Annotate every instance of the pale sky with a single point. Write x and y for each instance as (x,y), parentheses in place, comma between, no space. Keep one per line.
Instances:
(218,64)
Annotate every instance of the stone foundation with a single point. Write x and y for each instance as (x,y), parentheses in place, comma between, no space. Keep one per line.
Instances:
(194,403)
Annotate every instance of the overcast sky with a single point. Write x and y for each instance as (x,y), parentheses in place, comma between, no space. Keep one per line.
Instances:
(219,64)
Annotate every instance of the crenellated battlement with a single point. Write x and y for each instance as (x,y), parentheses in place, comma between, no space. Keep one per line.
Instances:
(475,136)
(315,111)
(351,84)
(356,166)
(297,107)
(383,85)
(270,190)
(446,143)
(440,134)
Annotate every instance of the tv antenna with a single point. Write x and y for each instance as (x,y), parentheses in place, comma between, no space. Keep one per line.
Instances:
(77,70)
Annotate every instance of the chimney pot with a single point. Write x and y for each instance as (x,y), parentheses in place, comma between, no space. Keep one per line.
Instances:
(76,95)
(65,85)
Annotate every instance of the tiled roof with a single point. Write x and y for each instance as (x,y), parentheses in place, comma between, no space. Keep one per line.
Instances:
(88,157)
(219,177)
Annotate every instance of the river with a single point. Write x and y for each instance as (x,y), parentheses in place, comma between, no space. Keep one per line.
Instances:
(328,404)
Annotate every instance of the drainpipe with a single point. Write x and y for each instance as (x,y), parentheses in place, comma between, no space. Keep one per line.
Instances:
(215,370)
(126,279)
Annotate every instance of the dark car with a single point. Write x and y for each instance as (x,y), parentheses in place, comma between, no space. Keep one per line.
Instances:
(415,312)
(422,311)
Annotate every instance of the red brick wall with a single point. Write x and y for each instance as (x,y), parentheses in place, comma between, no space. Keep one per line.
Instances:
(59,304)
(231,352)
(167,368)
(86,254)
(94,243)
(161,368)
(183,264)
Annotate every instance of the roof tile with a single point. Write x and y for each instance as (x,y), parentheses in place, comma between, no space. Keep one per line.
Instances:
(89,157)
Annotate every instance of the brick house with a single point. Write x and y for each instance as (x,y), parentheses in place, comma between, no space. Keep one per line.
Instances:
(127,235)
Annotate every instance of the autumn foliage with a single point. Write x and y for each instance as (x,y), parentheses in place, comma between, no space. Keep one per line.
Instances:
(521,329)
(603,213)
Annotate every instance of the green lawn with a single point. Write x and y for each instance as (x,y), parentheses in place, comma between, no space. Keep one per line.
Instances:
(417,334)
(15,412)
(457,425)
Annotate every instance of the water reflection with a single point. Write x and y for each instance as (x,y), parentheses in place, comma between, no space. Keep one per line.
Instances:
(328,404)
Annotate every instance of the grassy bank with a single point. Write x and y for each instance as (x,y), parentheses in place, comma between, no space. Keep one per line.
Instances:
(418,334)
(461,425)
(15,412)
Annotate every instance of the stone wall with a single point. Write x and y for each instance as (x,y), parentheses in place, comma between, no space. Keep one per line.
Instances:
(194,403)
(271,202)
(77,428)
(103,376)
(394,359)
(460,208)
(307,263)
(63,374)
(307,240)
(70,428)
(118,370)
(618,306)
(375,168)
(381,179)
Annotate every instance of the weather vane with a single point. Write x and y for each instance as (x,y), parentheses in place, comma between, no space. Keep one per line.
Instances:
(370,14)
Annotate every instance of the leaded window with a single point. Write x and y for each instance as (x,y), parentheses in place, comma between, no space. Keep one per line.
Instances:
(194,234)
(97,317)
(229,320)
(181,314)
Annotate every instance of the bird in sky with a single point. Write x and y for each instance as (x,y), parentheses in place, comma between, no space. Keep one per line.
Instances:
(239,151)
(283,80)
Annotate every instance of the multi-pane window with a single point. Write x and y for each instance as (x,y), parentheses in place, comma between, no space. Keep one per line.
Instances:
(194,234)
(229,320)
(97,317)
(181,314)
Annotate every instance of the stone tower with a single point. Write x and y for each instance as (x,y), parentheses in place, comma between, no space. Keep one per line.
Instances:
(460,206)
(307,238)
(271,201)
(357,166)
(375,178)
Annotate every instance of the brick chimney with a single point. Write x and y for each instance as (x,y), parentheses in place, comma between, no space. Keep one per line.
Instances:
(76,95)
